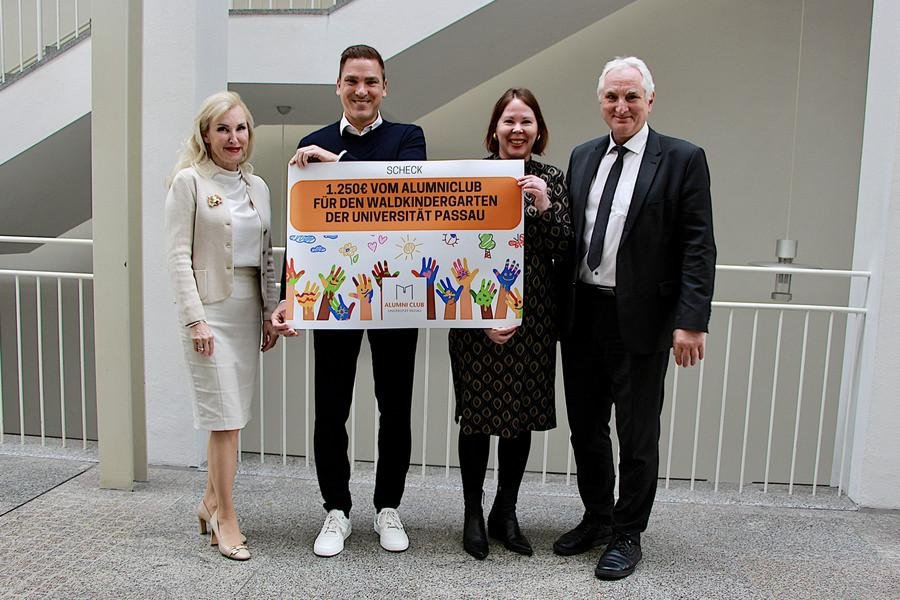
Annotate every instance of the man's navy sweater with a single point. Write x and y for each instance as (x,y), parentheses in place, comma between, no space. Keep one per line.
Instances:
(388,141)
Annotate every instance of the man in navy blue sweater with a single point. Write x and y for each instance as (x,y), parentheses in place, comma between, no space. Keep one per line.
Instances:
(361,134)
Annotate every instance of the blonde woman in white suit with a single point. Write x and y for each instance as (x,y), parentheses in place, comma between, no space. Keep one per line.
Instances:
(218,223)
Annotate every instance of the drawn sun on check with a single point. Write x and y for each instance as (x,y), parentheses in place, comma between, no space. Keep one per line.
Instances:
(409,247)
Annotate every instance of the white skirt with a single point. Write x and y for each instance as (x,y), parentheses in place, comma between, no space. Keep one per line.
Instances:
(224,383)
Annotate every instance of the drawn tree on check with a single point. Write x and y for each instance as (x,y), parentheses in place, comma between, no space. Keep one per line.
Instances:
(486,242)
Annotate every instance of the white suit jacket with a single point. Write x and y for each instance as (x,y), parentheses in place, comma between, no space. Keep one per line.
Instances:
(199,244)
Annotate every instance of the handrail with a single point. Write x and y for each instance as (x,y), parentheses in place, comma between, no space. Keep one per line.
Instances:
(21,239)
(57,274)
(794,270)
(796,307)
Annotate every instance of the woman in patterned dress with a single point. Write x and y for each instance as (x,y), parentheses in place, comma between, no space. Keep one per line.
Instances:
(504,377)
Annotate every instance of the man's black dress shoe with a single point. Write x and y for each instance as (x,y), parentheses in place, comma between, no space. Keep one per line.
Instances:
(474,538)
(504,526)
(620,558)
(587,535)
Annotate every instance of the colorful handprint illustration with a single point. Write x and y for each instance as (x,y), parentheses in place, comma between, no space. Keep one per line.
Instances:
(515,303)
(464,277)
(330,285)
(428,272)
(485,298)
(381,272)
(506,278)
(340,310)
(307,299)
(363,294)
(450,297)
(291,276)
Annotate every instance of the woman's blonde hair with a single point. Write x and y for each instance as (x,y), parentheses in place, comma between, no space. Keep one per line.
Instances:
(195,151)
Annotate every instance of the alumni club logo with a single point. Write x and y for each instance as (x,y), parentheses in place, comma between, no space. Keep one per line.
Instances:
(404,299)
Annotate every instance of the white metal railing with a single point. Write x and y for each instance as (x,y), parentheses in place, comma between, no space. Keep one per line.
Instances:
(435,406)
(854,312)
(723,415)
(44,356)
(36,29)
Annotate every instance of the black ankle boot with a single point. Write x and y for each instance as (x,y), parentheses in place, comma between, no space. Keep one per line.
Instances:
(504,526)
(474,537)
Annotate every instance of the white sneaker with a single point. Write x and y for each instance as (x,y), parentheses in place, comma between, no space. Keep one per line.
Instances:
(335,530)
(390,530)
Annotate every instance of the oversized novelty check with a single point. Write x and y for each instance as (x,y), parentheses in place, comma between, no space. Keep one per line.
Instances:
(405,244)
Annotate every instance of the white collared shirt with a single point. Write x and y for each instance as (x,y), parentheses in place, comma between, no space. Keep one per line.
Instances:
(346,127)
(605,273)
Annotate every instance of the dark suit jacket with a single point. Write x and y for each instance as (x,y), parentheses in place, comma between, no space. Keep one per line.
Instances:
(665,265)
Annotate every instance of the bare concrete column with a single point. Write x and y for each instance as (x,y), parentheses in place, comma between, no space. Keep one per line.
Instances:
(116,37)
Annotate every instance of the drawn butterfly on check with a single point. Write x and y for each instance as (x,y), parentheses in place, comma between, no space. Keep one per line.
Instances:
(518,241)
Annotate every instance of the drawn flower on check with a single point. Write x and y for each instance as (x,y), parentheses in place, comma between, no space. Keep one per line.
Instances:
(350,251)
(214,200)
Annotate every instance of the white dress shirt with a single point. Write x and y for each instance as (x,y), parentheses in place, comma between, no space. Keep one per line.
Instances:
(347,127)
(605,273)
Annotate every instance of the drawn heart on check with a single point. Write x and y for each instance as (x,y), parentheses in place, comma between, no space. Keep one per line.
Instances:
(372,246)
(382,239)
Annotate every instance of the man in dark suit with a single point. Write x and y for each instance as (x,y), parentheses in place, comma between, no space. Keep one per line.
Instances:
(642,282)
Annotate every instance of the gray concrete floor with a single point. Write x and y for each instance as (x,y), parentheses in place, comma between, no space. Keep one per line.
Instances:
(63,537)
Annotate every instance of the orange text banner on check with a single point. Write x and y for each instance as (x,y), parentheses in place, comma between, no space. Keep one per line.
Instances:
(393,204)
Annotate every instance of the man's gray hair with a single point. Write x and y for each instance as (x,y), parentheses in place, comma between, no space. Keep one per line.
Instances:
(620,62)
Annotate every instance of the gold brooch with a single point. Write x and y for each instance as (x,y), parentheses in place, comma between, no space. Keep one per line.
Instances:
(214,200)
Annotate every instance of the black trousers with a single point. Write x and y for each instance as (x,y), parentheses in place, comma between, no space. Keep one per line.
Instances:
(393,364)
(598,372)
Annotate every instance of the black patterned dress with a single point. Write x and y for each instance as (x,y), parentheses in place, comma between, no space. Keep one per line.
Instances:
(507,389)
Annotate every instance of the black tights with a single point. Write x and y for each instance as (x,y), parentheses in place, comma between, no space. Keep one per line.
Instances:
(473,458)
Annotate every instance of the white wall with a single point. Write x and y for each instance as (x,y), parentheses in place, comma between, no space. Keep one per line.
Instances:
(46,100)
(285,49)
(184,62)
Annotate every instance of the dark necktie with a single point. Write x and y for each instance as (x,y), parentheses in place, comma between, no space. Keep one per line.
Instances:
(595,252)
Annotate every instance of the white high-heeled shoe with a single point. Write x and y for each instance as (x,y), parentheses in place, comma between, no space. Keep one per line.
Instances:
(204,516)
(240,552)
